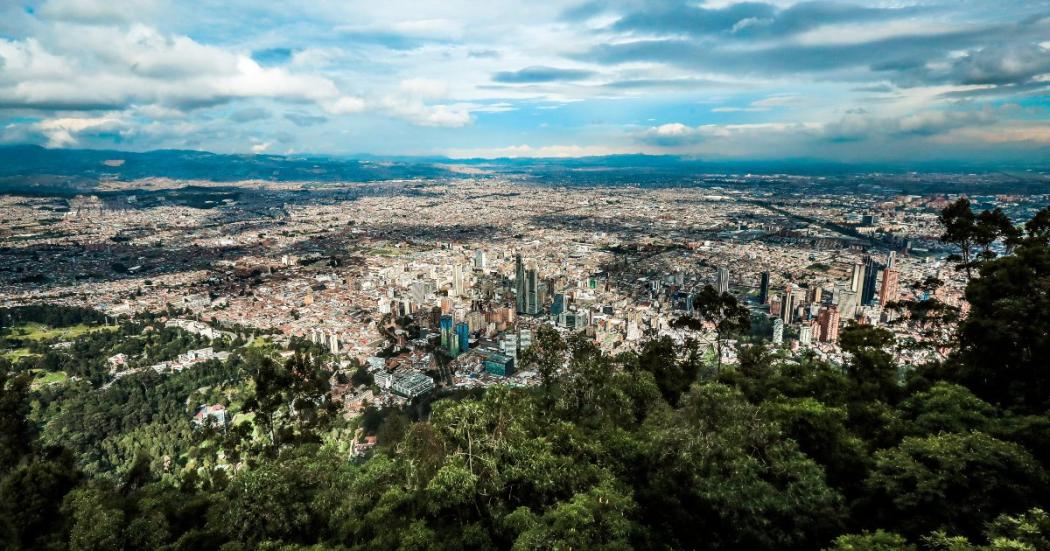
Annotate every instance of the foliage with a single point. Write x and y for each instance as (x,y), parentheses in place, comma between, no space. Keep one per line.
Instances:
(639,451)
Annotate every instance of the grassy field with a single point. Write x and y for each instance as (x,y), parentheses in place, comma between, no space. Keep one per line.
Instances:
(39,332)
(16,354)
(259,342)
(44,378)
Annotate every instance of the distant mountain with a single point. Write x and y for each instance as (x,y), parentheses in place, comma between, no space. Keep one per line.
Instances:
(88,164)
(30,168)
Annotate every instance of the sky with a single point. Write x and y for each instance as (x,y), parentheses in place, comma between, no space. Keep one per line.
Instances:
(893,80)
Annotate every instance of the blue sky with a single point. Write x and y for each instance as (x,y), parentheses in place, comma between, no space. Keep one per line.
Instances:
(877,80)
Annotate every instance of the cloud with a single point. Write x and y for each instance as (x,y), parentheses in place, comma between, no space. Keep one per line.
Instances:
(1001,64)
(546,151)
(304,119)
(101,68)
(539,74)
(424,88)
(250,114)
(747,19)
(97,11)
(670,84)
(672,135)
(429,28)
(273,56)
(62,132)
(919,54)
(483,54)
(344,105)
(417,112)
(861,126)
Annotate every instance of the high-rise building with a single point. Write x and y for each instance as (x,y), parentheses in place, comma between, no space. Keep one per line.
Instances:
(857,278)
(722,280)
(498,364)
(815,294)
(787,304)
(558,306)
(457,280)
(532,292)
(848,301)
(890,282)
(778,331)
(480,260)
(763,288)
(805,334)
(519,282)
(463,336)
(828,321)
(871,276)
(446,331)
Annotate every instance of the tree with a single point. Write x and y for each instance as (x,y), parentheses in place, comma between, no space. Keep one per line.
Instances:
(16,434)
(993,225)
(729,317)
(960,228)
(947,407)
(722,475)
(546,355)
(672,376)
(980,477)
(98,521)
(1037,229)
(878,540)
(870,367)
(1004,342)
(291,401)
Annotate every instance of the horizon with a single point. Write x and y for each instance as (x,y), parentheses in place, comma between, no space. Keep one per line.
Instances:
(762,165)
(851,82)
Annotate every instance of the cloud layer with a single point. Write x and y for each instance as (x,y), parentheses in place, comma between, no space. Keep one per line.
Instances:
(842,79)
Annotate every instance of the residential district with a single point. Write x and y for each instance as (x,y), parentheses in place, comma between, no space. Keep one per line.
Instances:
(442,283)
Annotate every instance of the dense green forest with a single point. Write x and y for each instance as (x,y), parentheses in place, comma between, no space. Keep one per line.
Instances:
(651,450)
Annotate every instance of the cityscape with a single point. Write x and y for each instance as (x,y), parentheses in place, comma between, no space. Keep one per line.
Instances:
(660,275)
(457,291)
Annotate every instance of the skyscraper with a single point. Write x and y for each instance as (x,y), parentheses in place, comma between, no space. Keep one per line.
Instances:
(463,337)
(871,276)
(457,280)
(890,282)
(480,260)
(805,334)
(763,288)
(857,278)
(722,280)
(787,304)
(532,292)
(519,282)
(828,321)
(778,331)
(446,332)
(559,304)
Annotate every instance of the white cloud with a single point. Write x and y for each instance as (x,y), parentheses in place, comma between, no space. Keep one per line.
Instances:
(61,132)
(94,67)
(518,151)
(97,11)
(344,105)
(430,28)
(424,88)
(260,147)
(417,112)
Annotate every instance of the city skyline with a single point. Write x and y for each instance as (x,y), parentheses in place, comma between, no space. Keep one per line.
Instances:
(849,81)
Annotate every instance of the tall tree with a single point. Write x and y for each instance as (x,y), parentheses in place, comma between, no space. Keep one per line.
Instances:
(729,317)
(960,229)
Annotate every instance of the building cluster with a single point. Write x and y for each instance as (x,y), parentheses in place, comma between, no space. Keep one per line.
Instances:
(446,280)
